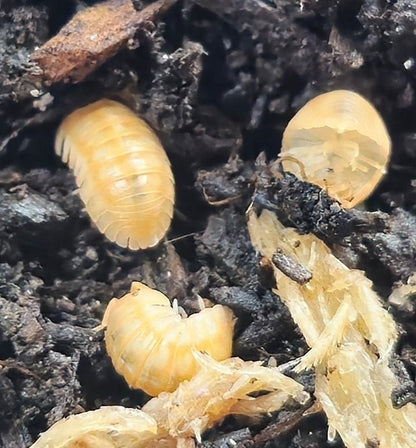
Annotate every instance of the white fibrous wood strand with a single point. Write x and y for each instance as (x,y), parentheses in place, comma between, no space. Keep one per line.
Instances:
(351,336)
(220,389)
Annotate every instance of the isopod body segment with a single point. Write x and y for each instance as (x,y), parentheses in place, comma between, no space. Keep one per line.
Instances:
(122,171)
(338,141)
(151,344)
(107,427)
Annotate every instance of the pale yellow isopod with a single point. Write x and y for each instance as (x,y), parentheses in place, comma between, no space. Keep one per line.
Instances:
(107,427)
(338,141)
(151,344)
(122,171)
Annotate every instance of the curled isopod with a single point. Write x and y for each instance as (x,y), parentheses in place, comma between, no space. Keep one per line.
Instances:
(107,427)
(338,141)
(151,344)
(122,171)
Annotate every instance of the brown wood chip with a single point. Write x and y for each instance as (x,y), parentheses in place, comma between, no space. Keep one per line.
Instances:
(91,37)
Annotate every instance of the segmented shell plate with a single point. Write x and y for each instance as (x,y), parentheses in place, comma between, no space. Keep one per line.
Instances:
(338,141)
(122,171)
(151,345)
(107,427)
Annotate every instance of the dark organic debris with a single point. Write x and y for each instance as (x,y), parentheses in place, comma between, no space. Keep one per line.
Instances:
(386,239)
(29,215)
(286,421)
(226,247)
(267,323)
(22,29)
(230,183)
(239,439)
(302,205)
(218,80)
(43,370)
(242,300)
(289,267)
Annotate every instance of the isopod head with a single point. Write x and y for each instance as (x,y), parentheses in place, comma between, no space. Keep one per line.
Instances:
(338,141)
(122,171)
(151,345)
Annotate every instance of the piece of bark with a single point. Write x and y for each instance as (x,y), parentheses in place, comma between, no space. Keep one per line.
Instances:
(286,421)
(289,267)
(92,37)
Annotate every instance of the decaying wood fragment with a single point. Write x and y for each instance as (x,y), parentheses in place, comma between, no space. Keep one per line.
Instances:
(91,37)
(285,423)
(289,267)
(351,338)
(218,390)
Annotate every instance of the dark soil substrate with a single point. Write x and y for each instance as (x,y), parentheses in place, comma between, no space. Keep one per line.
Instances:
(218,80)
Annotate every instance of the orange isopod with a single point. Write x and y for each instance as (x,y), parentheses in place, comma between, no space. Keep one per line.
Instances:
(151,344)
(122,171)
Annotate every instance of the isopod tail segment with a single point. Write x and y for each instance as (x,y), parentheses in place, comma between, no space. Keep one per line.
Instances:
(106,427)
(338,141)
(122,171)
(150,343)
